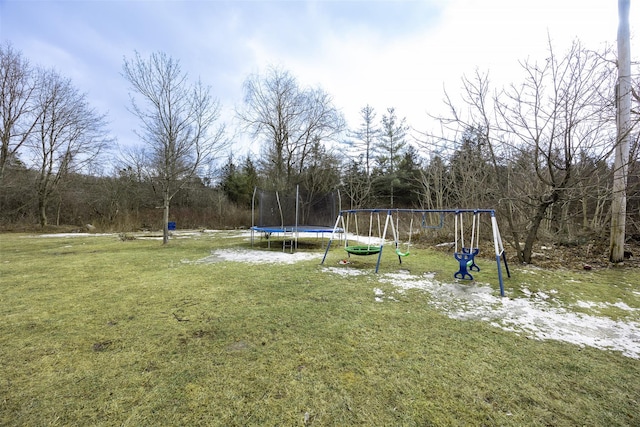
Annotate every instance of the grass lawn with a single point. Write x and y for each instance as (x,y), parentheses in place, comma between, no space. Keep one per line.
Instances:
(99,331)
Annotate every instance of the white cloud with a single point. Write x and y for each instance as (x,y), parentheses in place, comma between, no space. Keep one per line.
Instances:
(384,53)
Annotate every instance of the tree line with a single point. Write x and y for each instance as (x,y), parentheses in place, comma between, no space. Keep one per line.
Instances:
(539,151)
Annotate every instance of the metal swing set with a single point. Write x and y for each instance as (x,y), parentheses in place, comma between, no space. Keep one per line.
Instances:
(375,244)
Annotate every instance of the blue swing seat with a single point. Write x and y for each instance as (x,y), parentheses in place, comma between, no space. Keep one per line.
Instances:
(466,261)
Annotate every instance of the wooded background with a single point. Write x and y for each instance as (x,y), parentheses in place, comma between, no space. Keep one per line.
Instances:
(539,151)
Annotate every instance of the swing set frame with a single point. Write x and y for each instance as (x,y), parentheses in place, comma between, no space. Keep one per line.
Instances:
(377,249)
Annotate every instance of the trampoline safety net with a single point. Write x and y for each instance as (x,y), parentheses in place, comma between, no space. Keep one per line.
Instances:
(279,209)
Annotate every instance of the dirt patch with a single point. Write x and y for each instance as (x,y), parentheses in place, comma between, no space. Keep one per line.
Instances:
(592,255)
(101,346)
(589,255)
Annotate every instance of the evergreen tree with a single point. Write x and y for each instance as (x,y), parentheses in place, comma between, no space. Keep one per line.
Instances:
(391,145)
(365,138)
(407,188)
(238,182)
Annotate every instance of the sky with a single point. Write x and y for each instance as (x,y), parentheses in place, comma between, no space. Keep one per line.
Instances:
(383,53)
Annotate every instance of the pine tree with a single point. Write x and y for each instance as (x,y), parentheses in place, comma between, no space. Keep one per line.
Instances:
(391,146)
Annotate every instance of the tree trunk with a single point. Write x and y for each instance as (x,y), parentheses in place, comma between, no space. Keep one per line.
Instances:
(58,211)
(623,95)
(532,234)
(42,210)
(585,213)
(515,235)
(165,218)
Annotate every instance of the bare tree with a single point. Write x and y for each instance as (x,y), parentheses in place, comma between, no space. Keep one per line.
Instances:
(509,166)
(434,182)
(321,175)
(67,137)
(18,113)
(621,162)
(355,186)
(290,119)
(178,124)
(536,133)
(560,111)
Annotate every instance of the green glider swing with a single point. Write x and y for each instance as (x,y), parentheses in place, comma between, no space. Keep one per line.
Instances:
(368,249)
(362,250)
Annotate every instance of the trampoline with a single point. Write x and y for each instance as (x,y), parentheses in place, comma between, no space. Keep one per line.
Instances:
(293,229)
(290,233)
(289,215)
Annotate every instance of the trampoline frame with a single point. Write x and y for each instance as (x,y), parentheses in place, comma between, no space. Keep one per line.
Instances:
(290,233)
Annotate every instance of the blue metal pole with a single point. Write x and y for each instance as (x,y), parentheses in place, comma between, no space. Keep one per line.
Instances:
(326,252)
(379,257)
(497,246)
(383,237)
(335,227)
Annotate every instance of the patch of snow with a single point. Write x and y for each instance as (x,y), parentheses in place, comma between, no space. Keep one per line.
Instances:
(380,296)
(534,317)
(343,271)
(586,304)
(66,235)
(622,306)
(542,295)
(442,245)
(258,256)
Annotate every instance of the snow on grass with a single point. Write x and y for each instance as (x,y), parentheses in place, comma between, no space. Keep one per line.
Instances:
(258,256)
(593,305)
(67,235)
(534,317)
(344,271)
(537,315)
